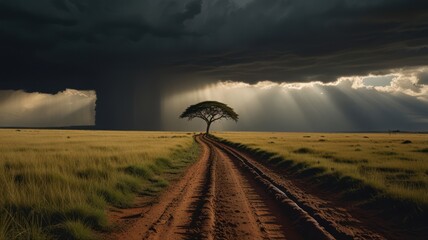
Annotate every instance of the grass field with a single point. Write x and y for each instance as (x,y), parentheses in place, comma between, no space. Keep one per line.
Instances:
(59,183)
(396,164)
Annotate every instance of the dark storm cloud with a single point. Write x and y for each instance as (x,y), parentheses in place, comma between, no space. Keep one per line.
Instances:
(192,9)
(239,40)
(13,11)
(125,49)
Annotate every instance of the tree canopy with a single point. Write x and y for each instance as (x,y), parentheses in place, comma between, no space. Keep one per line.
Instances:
(210,111)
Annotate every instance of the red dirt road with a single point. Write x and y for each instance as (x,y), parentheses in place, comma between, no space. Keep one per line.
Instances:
(228,195)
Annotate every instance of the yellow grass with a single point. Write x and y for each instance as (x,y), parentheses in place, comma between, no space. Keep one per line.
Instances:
(379,160)
(59,182)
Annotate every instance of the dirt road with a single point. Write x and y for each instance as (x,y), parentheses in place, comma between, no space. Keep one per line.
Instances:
(228,195)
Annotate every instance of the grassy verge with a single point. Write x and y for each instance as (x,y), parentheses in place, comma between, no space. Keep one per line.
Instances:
(57,184)
(377,171)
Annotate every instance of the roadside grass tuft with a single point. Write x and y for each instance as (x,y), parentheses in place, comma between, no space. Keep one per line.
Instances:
(72,229)
(142,171)
(350,161)
(92,216)
(423,150)
(304,150)
(92,174)
(386,153)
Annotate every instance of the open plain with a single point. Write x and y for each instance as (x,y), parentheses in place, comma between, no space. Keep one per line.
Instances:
(230,185)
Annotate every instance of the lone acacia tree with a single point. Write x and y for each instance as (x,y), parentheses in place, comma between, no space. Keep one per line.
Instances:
(210,111)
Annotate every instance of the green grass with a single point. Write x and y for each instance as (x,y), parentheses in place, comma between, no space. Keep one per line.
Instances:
(394,164)
(58,183)
(74,229)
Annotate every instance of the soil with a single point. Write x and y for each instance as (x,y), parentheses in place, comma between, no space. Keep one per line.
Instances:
(227,194)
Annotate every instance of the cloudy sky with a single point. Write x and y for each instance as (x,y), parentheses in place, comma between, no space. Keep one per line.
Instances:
(284,65)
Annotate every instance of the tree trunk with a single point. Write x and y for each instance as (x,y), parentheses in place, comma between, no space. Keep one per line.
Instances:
(208,128)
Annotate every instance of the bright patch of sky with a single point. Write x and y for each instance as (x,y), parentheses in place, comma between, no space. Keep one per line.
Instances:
(378,81)
(67,108)
(356,103)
